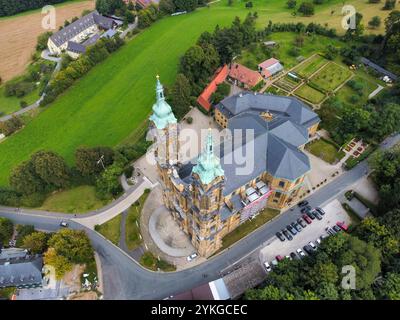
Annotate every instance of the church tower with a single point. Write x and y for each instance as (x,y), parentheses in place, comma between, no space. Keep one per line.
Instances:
(207,200)
(165,132)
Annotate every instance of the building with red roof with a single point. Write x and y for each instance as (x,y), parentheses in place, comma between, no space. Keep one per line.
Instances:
(204,98)
(244,76)
(270,67)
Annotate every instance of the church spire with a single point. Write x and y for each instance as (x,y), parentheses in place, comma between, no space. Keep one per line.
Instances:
(162,113)
(208,165)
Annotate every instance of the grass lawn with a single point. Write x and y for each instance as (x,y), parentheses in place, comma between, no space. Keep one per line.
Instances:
(331,76)
(312,65)
(111,229)
(247,227)
(310,94)
(11,104)
(132,230)
(77,200)
(346,94)
(116,96)
(151,262)
(325,150)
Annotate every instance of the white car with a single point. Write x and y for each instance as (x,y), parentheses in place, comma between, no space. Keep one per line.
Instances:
(300,253)
(312,245)
(63,224)
(318,241)
(288,257)
(191,257)
(274,262)
(267,266)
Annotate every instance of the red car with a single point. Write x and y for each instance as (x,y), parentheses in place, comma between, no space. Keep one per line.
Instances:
(279,258)
(307,218)
(342,225)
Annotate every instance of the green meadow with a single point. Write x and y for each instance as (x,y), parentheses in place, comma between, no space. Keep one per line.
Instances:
(115,97)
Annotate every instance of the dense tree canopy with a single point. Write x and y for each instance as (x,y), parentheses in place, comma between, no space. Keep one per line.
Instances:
(9,8)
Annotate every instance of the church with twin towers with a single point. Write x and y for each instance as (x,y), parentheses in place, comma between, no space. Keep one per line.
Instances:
(206,196)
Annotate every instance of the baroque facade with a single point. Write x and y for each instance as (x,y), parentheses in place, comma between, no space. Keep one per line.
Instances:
(212,195)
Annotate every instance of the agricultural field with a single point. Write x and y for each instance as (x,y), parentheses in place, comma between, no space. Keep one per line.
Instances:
(116,96)
(331,77)
(18,35)
(310,94)
(309,67)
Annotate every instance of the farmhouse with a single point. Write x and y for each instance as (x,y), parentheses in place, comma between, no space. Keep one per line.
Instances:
(75,37)
(210,196)
(204,98)
(269,68)
(243,76)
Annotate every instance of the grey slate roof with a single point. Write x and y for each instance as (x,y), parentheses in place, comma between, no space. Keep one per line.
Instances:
(21,273)
(289,107)
(76,47)
(379,68)
(75,28)
(275,142)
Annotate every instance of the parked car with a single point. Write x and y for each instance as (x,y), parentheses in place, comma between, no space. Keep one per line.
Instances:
(291,230)
(305,209)
(191,257)
(64,224)
(279,258)
(280,236)
(307,218)
(287,235)
(312,245)
(317,215)
(300,252)
(308,249)
(301,222)
(336,228)
(274,263)
(330,231)
(288,257)
(267,266)
(296,226)
(342,225)
(318,241)
(294,256)
(310,214)
(320,211)
(302,203)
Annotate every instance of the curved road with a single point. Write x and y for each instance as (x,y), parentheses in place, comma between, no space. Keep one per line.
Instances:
(123,278)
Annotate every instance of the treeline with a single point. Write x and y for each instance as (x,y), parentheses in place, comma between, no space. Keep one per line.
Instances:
(77,68)
(9,8)
(154,12)
(46,171)
(200,61)
(117,7)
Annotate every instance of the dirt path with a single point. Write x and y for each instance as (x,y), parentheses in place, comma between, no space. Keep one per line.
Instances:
(18,36)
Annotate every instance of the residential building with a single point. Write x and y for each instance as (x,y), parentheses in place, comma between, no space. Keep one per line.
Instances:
(243,76)
(210,196)
(204,99)
(214,290)
(19,269)
(270,67)
(85,31)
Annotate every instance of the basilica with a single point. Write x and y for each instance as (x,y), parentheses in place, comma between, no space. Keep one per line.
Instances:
(208,197)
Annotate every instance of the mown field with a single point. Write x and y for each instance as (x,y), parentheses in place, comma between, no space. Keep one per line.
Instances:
(116,97)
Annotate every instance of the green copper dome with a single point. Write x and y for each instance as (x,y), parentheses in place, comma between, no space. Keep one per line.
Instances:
(208,166)
(162,112)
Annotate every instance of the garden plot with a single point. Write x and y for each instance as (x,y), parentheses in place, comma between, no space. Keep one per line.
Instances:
(331,77)
(309,67)
(286,84)
(310,94)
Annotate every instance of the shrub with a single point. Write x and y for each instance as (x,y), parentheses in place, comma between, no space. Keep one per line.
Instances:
(23,104)
(189,120)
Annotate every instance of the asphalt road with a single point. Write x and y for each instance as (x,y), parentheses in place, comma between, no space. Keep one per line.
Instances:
(125,279)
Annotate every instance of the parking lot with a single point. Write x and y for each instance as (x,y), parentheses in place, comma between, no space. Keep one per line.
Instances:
(274,246)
